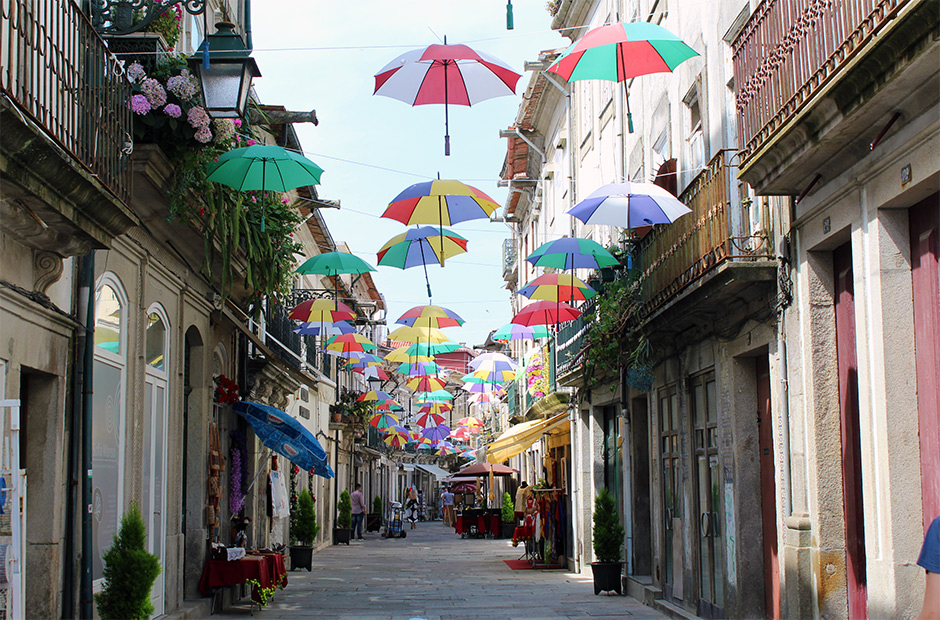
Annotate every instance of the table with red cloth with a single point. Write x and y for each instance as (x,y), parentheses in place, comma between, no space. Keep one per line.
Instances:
(266,571)
(484,522)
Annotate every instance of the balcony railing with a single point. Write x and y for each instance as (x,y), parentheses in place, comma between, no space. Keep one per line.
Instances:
(678,254)
(285,342)
(570,350)
(60,74)
(789,50)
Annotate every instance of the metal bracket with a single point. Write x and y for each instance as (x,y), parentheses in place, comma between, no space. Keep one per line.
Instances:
(116,17)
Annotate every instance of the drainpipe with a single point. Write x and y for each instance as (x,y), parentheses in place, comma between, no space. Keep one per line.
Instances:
(248,43)
(86,295)
(626,438)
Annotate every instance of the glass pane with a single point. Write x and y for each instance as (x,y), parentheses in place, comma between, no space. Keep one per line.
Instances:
(159,422)
(155,341)
(674,410)
(664,414)
(712,402)
(108,316)
(699,438)
(704,525)
(666,444)
(698,396)
(105,429)
(147,461)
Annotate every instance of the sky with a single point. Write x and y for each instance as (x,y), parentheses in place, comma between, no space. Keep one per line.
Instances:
(323,55)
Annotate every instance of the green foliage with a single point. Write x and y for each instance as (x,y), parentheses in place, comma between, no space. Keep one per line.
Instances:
(349,407)
(608,533)
(169,24)
(129,572)
(344,520)
(509,509)
(377,505)
(306,526)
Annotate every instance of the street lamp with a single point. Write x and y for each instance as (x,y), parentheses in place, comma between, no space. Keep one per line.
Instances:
(225,70)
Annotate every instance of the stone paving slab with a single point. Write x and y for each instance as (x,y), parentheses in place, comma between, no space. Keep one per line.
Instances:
(433,574)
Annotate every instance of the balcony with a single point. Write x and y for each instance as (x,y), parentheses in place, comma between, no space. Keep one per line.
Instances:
(571,347)
(66,128)
(817,81)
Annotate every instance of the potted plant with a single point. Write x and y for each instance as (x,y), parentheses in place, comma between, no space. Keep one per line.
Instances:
(129,572)
(342,532)
(305,531)
(608,543)
(508,525)
(374,518)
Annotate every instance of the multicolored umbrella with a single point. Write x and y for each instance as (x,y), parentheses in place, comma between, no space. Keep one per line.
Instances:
(321,311)
(511,331)
(435,407)
(470,421)
(572,253)
(407,333)
(447,74)
(324,328)
(460,434)
(557,287)
(347,343)
(433,348)
(384,420)
(263,167)
(436,395)
(621,51)
(375,396)
(430,419)
(487,374)
(443,448)
(629,205)
(371,372)
(431,316)
(423,366)
(436,433)
(420,246)
(397,436)
(546,313)
(483,388)
(425,383)
(441,203)
(498,361)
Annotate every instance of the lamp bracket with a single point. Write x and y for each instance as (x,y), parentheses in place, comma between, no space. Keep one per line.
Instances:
(116,17)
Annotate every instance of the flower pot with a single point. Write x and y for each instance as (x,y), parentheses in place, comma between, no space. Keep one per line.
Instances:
(373,522)
(341,535)
(607,577)
(301,557)
(337,417)
(506,530)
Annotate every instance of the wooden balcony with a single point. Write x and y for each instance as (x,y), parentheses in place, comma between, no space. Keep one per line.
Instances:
(817,80)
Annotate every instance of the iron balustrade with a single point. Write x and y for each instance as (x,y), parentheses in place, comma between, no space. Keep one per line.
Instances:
(285,342)
(572,339)
(789,50)
(675,255)
(59,73)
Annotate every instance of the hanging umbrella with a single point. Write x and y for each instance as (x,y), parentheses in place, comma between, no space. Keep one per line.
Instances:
(430,419)
(425,384)
(432,348)
(485,388)
(442,203)
(321,311)
(375,396)
(629,205)
(371,372)
(364,360)
(512,331)
(407,333)
(486,373)
(421,246)
(571,253)
(425,366)
(546,313)
(500,361)
(557,286)
(443,448)
(333,264)
(384,420)
(447,74)
(460,434)
(435,407)
(469,421)
(618,52)
(395,438)
(481,398)
(324,328)
(263,167)
(431,316)
(436,395)
(281,433)
(436,433)
(348,343)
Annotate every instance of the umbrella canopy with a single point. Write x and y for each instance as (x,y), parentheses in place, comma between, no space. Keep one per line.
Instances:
(425,384)
(512,331)
(618,52)
(487,374)
(395,439)
(435,407)
(283,434)
(436,433)
(629,205)
(371,372)
(447,74)
(436,395)
(557,287)
(334,263)
(546,313)
(443,448)
(321,311)
(430,419)
(498,361)
(572,253)
(324,328)
(375,396)
(469,421)
(346,343)
(421,246)
(432,316)
(407,333)
(384,420)
(263,167)
(432,348)
(483,388)
(420,367)
(441,203)
(364,360)
(483,469)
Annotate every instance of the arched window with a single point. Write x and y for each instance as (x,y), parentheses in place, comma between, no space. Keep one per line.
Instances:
(108,415)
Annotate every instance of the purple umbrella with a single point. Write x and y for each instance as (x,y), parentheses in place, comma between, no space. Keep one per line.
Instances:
(436,433)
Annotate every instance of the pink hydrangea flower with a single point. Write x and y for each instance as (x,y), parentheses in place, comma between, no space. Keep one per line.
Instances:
(136,71)
(154,92)
(139,104)
(198,118)
(173,110)
(183,85)
(204,135)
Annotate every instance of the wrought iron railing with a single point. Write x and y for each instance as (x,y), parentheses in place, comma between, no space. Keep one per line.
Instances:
(675,255)
(285,342)
(58,72)
(572,339)
(789,50)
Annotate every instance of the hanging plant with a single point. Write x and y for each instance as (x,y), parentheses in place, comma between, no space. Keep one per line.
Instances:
(238,472)
(226,390)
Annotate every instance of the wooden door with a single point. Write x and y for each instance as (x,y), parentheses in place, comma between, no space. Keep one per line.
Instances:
(925,273)
(851,445)
(767,491)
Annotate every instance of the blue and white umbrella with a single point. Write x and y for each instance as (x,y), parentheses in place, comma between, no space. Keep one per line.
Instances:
(281,433)
(629,205)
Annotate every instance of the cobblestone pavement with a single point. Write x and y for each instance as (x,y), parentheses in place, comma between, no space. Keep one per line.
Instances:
(433,574)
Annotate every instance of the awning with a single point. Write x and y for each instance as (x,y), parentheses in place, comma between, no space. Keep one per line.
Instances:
(434,470)
(521,436)
(548,405)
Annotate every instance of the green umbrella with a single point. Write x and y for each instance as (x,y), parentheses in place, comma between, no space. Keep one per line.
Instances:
(333,264)
(264,167)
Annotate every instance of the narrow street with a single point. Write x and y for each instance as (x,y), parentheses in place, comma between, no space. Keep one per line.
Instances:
(433,574)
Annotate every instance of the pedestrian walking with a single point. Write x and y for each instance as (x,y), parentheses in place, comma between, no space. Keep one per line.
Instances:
(447,502)
(411,508)
(358,511)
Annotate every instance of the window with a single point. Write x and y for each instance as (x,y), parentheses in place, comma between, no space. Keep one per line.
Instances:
(155,342)
(694,134)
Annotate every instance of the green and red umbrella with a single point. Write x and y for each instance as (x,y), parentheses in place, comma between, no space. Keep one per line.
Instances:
(618,52)
(572,253)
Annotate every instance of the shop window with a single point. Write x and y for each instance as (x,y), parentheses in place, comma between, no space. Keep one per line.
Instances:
(155,342)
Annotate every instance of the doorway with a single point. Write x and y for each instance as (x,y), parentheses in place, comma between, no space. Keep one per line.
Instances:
(767,490)
(671,490)
(642,520)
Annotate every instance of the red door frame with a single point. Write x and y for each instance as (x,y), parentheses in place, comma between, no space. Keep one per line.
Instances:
(925,275)
(767,491)
(852,501)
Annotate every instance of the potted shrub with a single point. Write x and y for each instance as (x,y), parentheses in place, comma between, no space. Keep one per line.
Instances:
(374,518)
(305,531)
(342,532)
(508,524)
(129,572)
(608,543)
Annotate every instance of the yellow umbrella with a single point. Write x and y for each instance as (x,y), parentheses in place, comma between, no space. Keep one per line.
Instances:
(407,333)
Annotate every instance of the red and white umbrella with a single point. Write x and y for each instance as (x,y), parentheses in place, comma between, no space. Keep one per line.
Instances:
(448,74)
